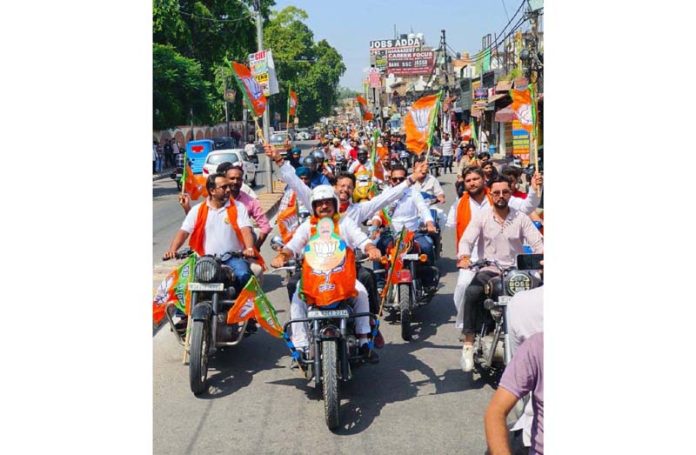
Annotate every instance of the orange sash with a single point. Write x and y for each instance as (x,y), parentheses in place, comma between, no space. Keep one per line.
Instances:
(325,288)
(464,214)
(197,239)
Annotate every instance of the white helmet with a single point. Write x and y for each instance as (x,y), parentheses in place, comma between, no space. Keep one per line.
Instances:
(321,192)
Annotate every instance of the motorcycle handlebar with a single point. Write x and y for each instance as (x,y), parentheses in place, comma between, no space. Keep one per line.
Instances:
(181,254)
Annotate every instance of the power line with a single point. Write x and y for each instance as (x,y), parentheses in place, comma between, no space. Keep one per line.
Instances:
(505,8)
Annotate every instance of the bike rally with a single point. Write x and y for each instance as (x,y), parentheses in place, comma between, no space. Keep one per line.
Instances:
(340,247)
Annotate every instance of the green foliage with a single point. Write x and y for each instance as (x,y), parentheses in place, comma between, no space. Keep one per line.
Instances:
(345,92)
(194,41)
(312,69)
(179,87)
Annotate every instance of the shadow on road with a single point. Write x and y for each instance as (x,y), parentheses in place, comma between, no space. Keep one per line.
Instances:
(234,367)
(159,191)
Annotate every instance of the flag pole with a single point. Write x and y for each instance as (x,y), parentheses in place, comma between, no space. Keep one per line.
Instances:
(288,116)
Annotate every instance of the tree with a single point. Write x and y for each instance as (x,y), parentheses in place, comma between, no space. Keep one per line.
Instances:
(312,69)
(179,86)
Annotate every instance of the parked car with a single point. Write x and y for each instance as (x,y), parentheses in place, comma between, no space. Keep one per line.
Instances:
(233,156)
(224,143)
(302,135)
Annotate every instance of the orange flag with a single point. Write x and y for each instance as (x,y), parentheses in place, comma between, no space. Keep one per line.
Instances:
(194,185)
(522,106)
(362,104)
(418,123)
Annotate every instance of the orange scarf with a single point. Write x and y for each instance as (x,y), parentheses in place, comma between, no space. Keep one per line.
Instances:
(464,213)
(197,239)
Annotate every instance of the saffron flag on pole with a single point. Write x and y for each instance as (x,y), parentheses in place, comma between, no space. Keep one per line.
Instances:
(292,104)
(419,123)
(522,106)
(174,288)
(362,104)
(287,220)
(194,185)
(253,303)
(253,92)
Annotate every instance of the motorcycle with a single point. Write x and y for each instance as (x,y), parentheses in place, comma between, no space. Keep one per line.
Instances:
(212,296)
(492,344)
(439,219)
(333,350)
(406,292)
(178,170)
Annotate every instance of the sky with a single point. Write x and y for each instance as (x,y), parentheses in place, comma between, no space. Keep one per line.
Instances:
(349,26)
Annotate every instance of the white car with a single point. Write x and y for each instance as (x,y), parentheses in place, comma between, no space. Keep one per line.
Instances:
(302,136)
(233,156)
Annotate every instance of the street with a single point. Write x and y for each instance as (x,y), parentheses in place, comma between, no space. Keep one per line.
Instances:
(416,400)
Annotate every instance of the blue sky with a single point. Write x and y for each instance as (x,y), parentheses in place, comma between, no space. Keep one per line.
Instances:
(349,25)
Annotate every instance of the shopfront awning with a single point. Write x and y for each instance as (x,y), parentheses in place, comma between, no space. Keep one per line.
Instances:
(505,115)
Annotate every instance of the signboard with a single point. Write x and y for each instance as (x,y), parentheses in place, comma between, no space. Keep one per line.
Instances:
(520,142)
(410,62)
(376,45)
(481,94)
(374,78)
(263,69)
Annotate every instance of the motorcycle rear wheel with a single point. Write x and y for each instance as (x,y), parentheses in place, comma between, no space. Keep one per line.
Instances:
(198,365)
(405,305)
(330,383)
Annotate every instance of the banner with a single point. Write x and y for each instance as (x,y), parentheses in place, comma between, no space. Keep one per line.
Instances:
(253,93)
(419,122)
(263,69)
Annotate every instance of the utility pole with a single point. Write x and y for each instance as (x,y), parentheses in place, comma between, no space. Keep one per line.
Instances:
(266,116)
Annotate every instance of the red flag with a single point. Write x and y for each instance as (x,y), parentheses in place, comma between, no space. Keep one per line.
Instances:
(253,92)
(362,104)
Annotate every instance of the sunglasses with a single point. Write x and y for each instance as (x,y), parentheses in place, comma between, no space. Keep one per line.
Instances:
(504,193)
(398,179)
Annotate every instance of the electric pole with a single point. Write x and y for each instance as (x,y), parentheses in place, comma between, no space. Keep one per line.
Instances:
(266,116)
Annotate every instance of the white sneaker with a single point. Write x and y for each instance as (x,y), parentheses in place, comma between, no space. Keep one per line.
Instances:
(467,360)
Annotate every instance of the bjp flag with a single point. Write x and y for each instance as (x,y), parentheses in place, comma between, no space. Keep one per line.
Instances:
(419,121)
(253,92)
(522,106)
(362,104)
(292,103)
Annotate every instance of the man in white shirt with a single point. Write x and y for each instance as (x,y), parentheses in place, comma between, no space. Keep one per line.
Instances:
(324,203)
(447,152)
(221,233)
(409,211)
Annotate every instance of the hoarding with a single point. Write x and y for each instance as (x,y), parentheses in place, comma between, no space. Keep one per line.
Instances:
(263,69)
(410,62)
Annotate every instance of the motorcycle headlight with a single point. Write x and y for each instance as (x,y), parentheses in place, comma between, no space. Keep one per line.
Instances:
(207,270)
(517,281)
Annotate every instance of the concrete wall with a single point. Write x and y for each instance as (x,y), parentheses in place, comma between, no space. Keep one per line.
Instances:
(183,133)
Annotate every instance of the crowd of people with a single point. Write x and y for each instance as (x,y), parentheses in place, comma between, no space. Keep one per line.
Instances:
(361,179)
(165,155)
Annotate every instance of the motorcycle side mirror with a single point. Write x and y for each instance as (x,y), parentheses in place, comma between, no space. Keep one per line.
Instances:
(277,243)
(530,261)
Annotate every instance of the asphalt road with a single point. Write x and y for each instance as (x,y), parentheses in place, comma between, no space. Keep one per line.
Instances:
(416,400)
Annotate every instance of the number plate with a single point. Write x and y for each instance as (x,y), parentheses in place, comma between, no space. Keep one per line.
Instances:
(327,314)
(504,299)
(206,287)
(410,257)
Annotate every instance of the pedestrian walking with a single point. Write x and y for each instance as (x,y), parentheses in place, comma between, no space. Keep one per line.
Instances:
(154,157)
(168,157)
(447,152)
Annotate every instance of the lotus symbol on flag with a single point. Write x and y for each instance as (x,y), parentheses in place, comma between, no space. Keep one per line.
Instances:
(247,308)
(524,114)
(254,87)
(420,118)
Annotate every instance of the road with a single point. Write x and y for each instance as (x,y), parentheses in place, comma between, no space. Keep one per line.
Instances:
(416,400)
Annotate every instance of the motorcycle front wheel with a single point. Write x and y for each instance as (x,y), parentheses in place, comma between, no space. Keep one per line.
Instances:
(405,307)
(198,365)
(330,383)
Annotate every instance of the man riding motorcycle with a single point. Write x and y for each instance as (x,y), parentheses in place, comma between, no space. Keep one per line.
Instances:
(341,282)
(498,230)
(408,211)
(316,177)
